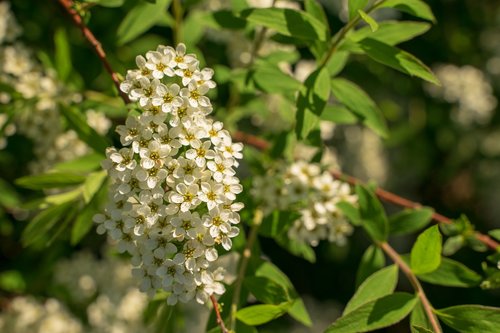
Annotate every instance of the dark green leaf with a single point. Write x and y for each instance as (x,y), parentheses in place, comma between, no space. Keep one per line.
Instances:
(417,8)
(368,19)
(373,259)
(354,6)
(409,221)
(471,318)
(288,22)
(12,281)
(140,19)
(350,211)
(76,120)
(226,19)
(354,98)
(265,290)
(379,313)
(260,314)
(8,195)
(297,248)
(391,32)
(63,54)
(50,180)
(373,216)
(377,285)
(398,59)
(451,273)
(426,252)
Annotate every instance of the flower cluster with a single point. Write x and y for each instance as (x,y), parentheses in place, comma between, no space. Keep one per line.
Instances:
(314,193)
(173,184)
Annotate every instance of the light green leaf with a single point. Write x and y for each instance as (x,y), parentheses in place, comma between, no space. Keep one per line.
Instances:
(420,329)
(419,318)
(60,198)
(376,314)
(270,271)
(373,215)
(377,285)
(373,259)
(12,281)
(266,290)
(368,19)
(299,312)
(354,6)
(260,314)
(471,318)
(417,8)
(85,163)
(495,234)
(453,244)
(410,220)
(337,62)
(314,8)
(288,22)
(354,98)
(63,54)
(398,59)
(351,211)
(426,252)
(107,3)
(273,80)
(391,32)
(311,101)
(8,195)
(339,114)
(50,180)
(140,19)
(93,184)
(451,273)
(76,120)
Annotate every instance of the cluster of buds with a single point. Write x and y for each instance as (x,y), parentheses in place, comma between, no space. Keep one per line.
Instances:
(172,198)
(305,188)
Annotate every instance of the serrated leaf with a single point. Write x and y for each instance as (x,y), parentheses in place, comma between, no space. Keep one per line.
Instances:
(409,221)
(311,101)
(265,290)
(62,54)
(76,121)
(397,59)
(140,19)
(373,216)
(417,8)
(260,314)
(356,100)
(426,252)
(451,273)
(377,285)
(50,180)
(376,314)
(390,32)
(368,19)
(372,260)
(354,7)
(471,318)
(288,22)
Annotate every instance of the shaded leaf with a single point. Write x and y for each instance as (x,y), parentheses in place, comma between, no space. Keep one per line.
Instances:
(354,7)
(409,221)
(50,180)
(373,216)
(471,318)
(265,290)
(417,8)
(419,318)
(62,54)
(451,273)
(373,259)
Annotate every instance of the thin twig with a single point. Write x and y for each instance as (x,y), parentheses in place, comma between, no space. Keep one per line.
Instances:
(415,283)
(220,322)
(247,253)
(87,33)
(384,195)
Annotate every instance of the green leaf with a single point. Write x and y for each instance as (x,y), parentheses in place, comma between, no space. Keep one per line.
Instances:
(260,314)
(453,244)
(355,6)
(297,248)
(417,8)
(76,120)
(373,259)
(93,184)
(107,3)
(339,114)
(311,101)
(12,281)
(409,221)
(377,285)
(50,180)
(419,318)
(356,100)
(495,234)
(44,222)
(140,19)
(420,329)
(337,62)
(376,314)
(288,22)
(351,211)
(368,19)
(266,290)
(373,216)
(426,252)
(8,195)
(270,271)
(451,273)
(390,32)
(471,318)
(60,198)
(277,223)
(299,312)
(226,19)
(63,54)
(314,8)
(85,163)
(398,59)
(273,80)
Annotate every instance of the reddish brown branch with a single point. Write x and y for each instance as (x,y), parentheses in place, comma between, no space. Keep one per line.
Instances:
(77,19)
(220,322)
(381,193)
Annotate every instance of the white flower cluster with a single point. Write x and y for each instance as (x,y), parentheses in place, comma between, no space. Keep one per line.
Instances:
(36,111)
(173,185)
(469,88)
(314,193)
(26,314)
